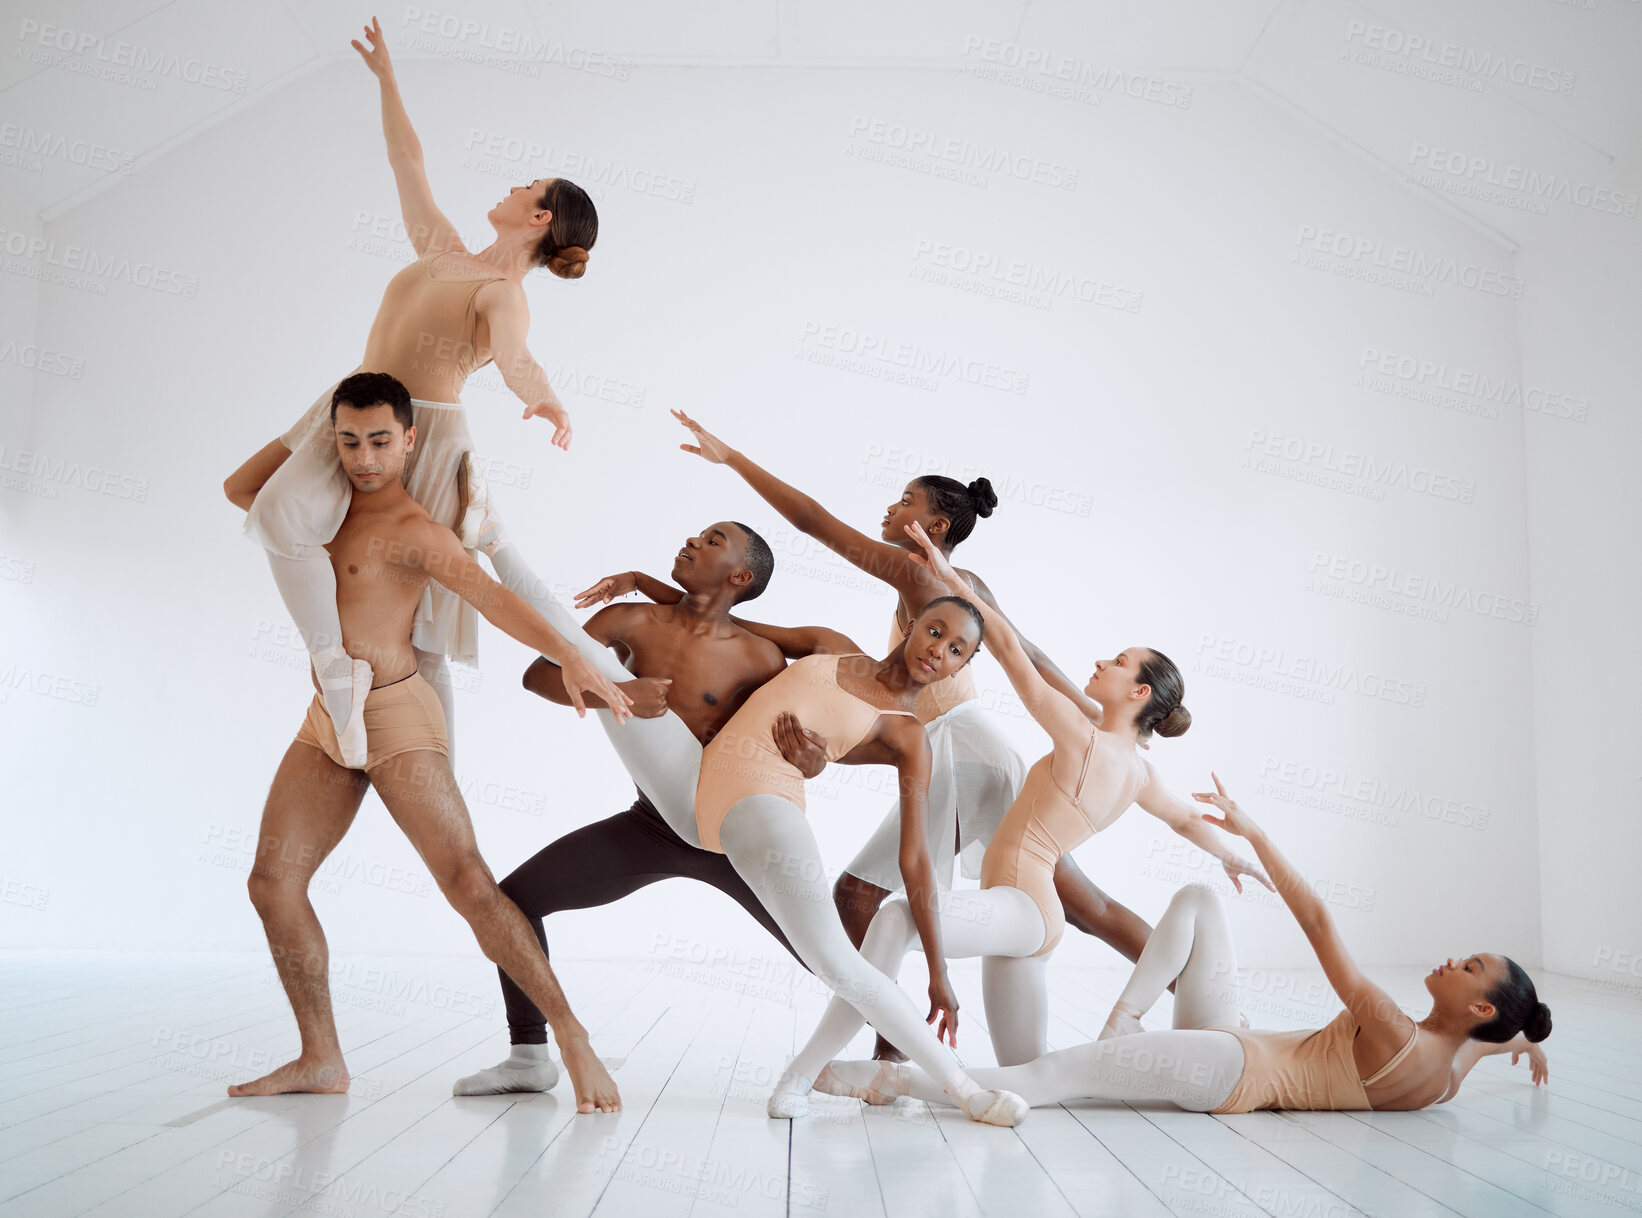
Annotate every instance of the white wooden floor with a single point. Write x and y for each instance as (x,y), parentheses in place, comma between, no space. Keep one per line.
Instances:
(112,1071)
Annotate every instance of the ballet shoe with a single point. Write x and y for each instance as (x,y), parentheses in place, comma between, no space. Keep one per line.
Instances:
(478,529)
(995,1108)
(1123,1021)
(790,1099)
(350,736)
(887,1086)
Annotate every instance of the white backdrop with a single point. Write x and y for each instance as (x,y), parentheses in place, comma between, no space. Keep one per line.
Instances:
(1284,357)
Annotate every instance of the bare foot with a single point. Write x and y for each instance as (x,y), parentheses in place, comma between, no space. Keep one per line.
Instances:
(321,1078)
(883,1051)
(595,1089)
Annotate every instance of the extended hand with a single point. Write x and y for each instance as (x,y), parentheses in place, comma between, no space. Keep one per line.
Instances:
(707,445)
(648,695)
(580,676)
(376,59)
(1537,1064)
(1232,819)
(936,562)
(607,589)
(944,1004)
(802,747)
(1236,867)
(555,413)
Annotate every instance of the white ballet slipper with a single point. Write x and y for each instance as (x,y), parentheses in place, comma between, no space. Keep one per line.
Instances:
(995,1108)
(790,1099)
(887,1086)
(350,736)
(478,529)
(1123,1021)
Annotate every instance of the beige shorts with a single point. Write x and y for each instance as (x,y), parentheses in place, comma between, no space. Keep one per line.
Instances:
(399,718)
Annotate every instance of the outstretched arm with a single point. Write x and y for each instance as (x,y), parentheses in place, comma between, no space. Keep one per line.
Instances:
(426,226)
(439,552)
(545,679)
(880,559)
(1185,820)
(1046,668)
(1373,1007)
(1473,1051)
(795,642)
(1055,712)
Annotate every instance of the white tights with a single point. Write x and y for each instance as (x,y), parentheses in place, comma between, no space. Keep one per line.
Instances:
(1190,1066)
(662,755)
(771,846)
(308,588)
(1002,925)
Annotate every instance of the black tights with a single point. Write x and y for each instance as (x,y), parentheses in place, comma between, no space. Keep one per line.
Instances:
(601,863)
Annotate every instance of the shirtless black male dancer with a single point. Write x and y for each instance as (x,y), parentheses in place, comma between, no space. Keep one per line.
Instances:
(384,554)
(693,661)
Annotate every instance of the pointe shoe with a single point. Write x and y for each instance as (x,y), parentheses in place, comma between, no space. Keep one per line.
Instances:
(1123,1021)
(478,529)
(790,1099)
(887,1086)
(350,736)
(995,1108)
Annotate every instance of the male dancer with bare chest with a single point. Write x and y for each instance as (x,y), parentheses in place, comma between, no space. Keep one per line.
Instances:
(386,551)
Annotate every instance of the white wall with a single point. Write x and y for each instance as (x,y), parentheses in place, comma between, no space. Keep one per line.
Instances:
(1165,475)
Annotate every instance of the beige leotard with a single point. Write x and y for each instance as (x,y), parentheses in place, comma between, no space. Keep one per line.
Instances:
(426,332)
(743,759)
(1046,822)
(938,697)
(1310,1070)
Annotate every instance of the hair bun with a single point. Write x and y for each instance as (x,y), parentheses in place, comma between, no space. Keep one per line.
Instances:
(1175,722)
(1538,1026)
(568,262)
(983,496)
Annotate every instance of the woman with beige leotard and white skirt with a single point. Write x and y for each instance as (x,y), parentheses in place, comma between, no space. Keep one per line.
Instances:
(1089,778)
(1369,1056)
(441,318)
(750,807)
